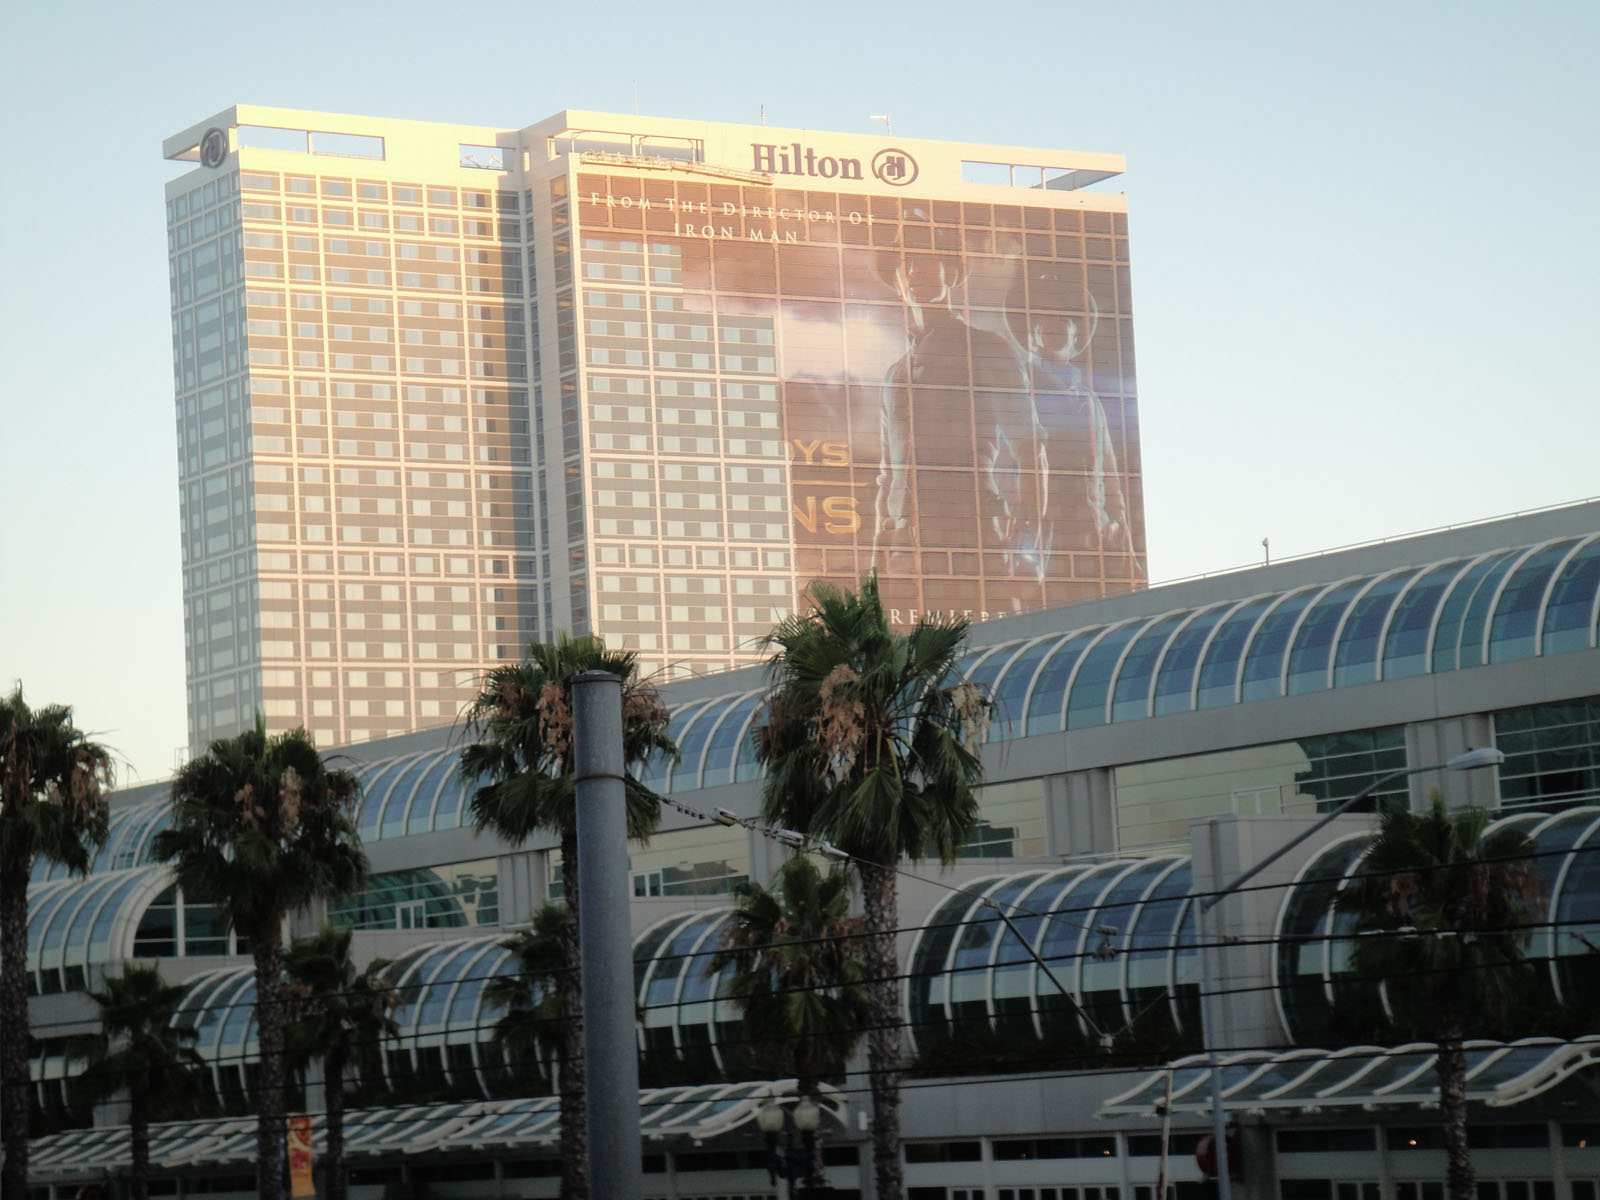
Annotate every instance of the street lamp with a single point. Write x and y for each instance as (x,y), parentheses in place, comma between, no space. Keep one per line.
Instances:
(1470,760)
(793,1162)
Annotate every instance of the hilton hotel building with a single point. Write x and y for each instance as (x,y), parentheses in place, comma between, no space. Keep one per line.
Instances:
(442,390)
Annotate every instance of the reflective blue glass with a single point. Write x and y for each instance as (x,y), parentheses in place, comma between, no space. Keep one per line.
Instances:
(745,766)
(986,666)
(1570,614)
(1219,669)
(419,810)
(926,985)
(1313,640)
(1405,645)
(439,988)
(686,777)
(1049,689)
(41,908)
(1130,695)
(1153,934)
(1064,933)
(116,830)
(724,743)
(1447,630)
(375,787)
(240,1016)
(1175,675)
(1086,706)
(1355,660)
(702,981)
(1476,618)
(160,818)
(100,935)
(654,775)
(673,960)
(454,803)
(1514,628)
(1555,835)
(1263,658)
(77,936)
(1102,977)
(1577,915)
(645,947)
(413,988)
(1012,688)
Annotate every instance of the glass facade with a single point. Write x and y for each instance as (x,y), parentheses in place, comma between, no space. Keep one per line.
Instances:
(1157,801)
(818,382)
(454,896)
(1315,988)
(1552,753)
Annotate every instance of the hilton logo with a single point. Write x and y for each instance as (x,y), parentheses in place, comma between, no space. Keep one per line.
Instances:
(894,167)
(795,159)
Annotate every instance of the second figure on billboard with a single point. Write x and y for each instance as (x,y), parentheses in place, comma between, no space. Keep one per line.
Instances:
(1049,482)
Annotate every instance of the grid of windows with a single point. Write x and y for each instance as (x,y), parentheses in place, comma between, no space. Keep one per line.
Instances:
(1552,754)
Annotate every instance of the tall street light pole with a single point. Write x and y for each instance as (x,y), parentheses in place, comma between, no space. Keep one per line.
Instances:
(610,1040)
(1470,760)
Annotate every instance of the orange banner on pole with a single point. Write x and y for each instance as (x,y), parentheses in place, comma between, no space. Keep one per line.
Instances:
(300,1183)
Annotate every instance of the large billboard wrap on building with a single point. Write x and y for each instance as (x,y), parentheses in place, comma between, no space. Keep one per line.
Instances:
(952,383)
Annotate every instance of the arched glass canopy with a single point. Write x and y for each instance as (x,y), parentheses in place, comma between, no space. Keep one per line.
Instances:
(1315,985)
(1434,617)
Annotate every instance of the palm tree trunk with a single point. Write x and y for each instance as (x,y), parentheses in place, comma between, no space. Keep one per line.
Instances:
(139,1136)
(271,1104)
(574,1101)
(333,1090)
(1459,1175)
(807,1087)
(14,1084)
(883,1033)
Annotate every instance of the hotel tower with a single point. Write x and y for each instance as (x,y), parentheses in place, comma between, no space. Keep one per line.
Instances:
(442,390)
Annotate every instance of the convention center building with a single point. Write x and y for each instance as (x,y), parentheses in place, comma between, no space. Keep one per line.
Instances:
(1061,989)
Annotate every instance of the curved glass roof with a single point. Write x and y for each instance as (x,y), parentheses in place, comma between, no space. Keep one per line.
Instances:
(1313,945)
(74,924)
(694,1113)
(1499,1074)
(1110,933)
(1433,617)
(129,836)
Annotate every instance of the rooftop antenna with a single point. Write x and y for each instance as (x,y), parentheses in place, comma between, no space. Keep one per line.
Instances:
(887,127)
(763,115)
(1266,549)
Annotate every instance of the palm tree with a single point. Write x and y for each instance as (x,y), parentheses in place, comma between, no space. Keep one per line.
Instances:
(533,1015)
(870,741)
(261,827)
(797,979)
(340,1015)
(52,802)
(139,1050)
(521,767)
(1443,910)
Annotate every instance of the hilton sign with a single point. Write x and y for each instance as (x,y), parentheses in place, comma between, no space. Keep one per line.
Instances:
(894,167)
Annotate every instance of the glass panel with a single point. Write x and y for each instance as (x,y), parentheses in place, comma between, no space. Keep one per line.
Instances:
(100,935)
(654,774)
(1154,934)
(705,860)
(1569,614)
(1302,950)
(1513,631)
(687,775)
(926,986)
(1477,614)
(1219,670)
(1130,696)
(1356,658)
(1263,660)
(418,813)
(1313,641)
(1102,977)
(1045,702)
(374,790)
(1447,633)
(1086,706)
(724,744)
(1577,914)
(1175,676)
(1405,646)
(1012,687)
(1552,754)
(1011,821)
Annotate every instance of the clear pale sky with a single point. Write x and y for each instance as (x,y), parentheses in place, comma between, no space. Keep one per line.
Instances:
(1363,241)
